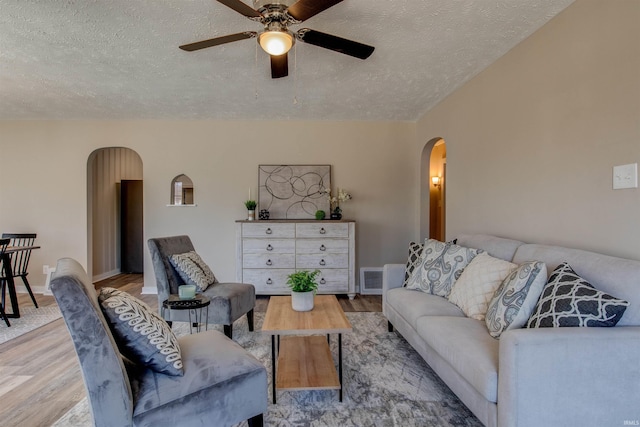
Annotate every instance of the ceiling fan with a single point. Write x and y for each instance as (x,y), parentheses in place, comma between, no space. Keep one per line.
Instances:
(276,39)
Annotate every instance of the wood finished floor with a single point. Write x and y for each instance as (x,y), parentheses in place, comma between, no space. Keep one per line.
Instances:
(40,379)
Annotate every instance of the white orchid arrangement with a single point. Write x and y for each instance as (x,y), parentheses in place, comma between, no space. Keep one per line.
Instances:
(342,196)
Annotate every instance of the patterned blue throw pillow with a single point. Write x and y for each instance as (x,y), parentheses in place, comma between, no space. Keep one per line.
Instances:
(141,334)
(569,300)
(516,298)
(193,270)
(441,264)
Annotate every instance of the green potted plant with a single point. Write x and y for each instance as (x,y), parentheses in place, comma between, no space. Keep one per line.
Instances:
(251,208)
(303,287)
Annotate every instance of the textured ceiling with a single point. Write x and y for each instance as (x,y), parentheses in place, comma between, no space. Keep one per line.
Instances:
(119,59)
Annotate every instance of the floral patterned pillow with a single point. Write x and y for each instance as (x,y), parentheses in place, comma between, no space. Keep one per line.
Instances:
(515,299)
(441,264)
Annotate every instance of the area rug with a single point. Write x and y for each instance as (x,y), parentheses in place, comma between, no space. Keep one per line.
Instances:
(30,318)
(386,384)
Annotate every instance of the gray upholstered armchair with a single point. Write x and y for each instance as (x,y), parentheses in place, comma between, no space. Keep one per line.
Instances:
(229,301)
(222,383)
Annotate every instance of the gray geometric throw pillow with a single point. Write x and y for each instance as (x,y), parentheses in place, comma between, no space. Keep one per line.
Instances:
(413,262)
(193,270)
(569,300)
(141,334)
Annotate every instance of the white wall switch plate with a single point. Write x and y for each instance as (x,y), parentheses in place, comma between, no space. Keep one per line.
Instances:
(625,176)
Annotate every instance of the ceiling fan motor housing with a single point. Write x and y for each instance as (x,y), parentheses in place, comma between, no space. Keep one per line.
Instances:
(258,4)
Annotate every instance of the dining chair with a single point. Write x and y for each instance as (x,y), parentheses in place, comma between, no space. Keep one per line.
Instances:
(19,261)
(229,301)
(221,384)
(3,246)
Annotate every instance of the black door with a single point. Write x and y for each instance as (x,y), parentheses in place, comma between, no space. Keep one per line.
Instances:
(131,245)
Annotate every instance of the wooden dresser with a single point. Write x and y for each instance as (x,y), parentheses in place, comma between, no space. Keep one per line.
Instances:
(268,251)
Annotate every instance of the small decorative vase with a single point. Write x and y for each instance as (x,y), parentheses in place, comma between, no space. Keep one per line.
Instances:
(251,215)
(302,301)
(263,214)
(320,215)
(336,213)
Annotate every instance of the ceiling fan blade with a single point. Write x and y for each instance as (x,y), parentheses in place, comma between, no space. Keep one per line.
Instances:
(218,40)
(338,44)
(305,9)
(241,8)
(279,66)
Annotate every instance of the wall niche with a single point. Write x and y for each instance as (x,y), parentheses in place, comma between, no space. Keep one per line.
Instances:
(182,191)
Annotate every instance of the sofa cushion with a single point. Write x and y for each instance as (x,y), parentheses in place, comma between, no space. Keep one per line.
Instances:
(413,262)
(193,270)
(441,264)
(477,284)
(141,334)
(413,304)
(516,298)
(569,300)
(465,344)
(613,275)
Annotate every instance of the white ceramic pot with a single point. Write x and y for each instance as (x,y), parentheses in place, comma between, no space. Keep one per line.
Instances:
(251,215)
(302,301)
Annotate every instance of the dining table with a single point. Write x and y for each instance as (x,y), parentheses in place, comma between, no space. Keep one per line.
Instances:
(8,276)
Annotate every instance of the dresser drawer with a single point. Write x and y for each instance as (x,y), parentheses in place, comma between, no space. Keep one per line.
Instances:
(269,260)
(322,246)
(333,281)
(313,261)
(268,230)
(268,281)
(322,229)
(263,246)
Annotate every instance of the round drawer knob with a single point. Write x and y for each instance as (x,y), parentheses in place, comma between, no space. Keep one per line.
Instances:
(322,281)
(323,231)
(323,248)
(269,281)
(322,262)
(269,247)
(269,262)
(268,230)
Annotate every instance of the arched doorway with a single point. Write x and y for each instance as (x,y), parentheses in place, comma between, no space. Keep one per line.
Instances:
(432,189)
(114,185)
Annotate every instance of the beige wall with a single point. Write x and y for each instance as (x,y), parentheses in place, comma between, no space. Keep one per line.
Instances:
(44,187)
(531,141)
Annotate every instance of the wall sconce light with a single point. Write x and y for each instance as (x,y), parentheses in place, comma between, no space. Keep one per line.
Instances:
(436,181)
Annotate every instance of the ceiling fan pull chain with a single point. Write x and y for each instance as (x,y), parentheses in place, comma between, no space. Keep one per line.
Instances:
(295,74)
(255,71)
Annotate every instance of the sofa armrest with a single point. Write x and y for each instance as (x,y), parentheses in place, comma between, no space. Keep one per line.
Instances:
(569,376)
(392,277)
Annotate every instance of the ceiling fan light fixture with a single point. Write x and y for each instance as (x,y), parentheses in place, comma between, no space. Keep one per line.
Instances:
(276,42)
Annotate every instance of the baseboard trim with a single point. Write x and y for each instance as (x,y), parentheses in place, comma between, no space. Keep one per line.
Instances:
(21,289)
(106,275)
(148,290)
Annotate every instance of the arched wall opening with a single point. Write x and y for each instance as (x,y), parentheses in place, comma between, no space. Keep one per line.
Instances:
(114,210)
(432,193)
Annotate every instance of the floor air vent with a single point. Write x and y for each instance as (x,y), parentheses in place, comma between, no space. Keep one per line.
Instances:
(371,280)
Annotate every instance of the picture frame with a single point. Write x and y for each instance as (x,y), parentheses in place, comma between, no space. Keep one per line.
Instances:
(293,191)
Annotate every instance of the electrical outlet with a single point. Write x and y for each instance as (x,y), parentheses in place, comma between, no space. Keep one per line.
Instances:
(625,176)
(45,269)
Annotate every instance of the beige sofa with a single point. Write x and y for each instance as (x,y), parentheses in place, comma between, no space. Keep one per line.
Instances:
(530,377)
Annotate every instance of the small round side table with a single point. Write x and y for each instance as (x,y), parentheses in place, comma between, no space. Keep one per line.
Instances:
(194,305)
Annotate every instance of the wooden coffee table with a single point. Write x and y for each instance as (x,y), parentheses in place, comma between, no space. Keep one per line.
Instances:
(304,359)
